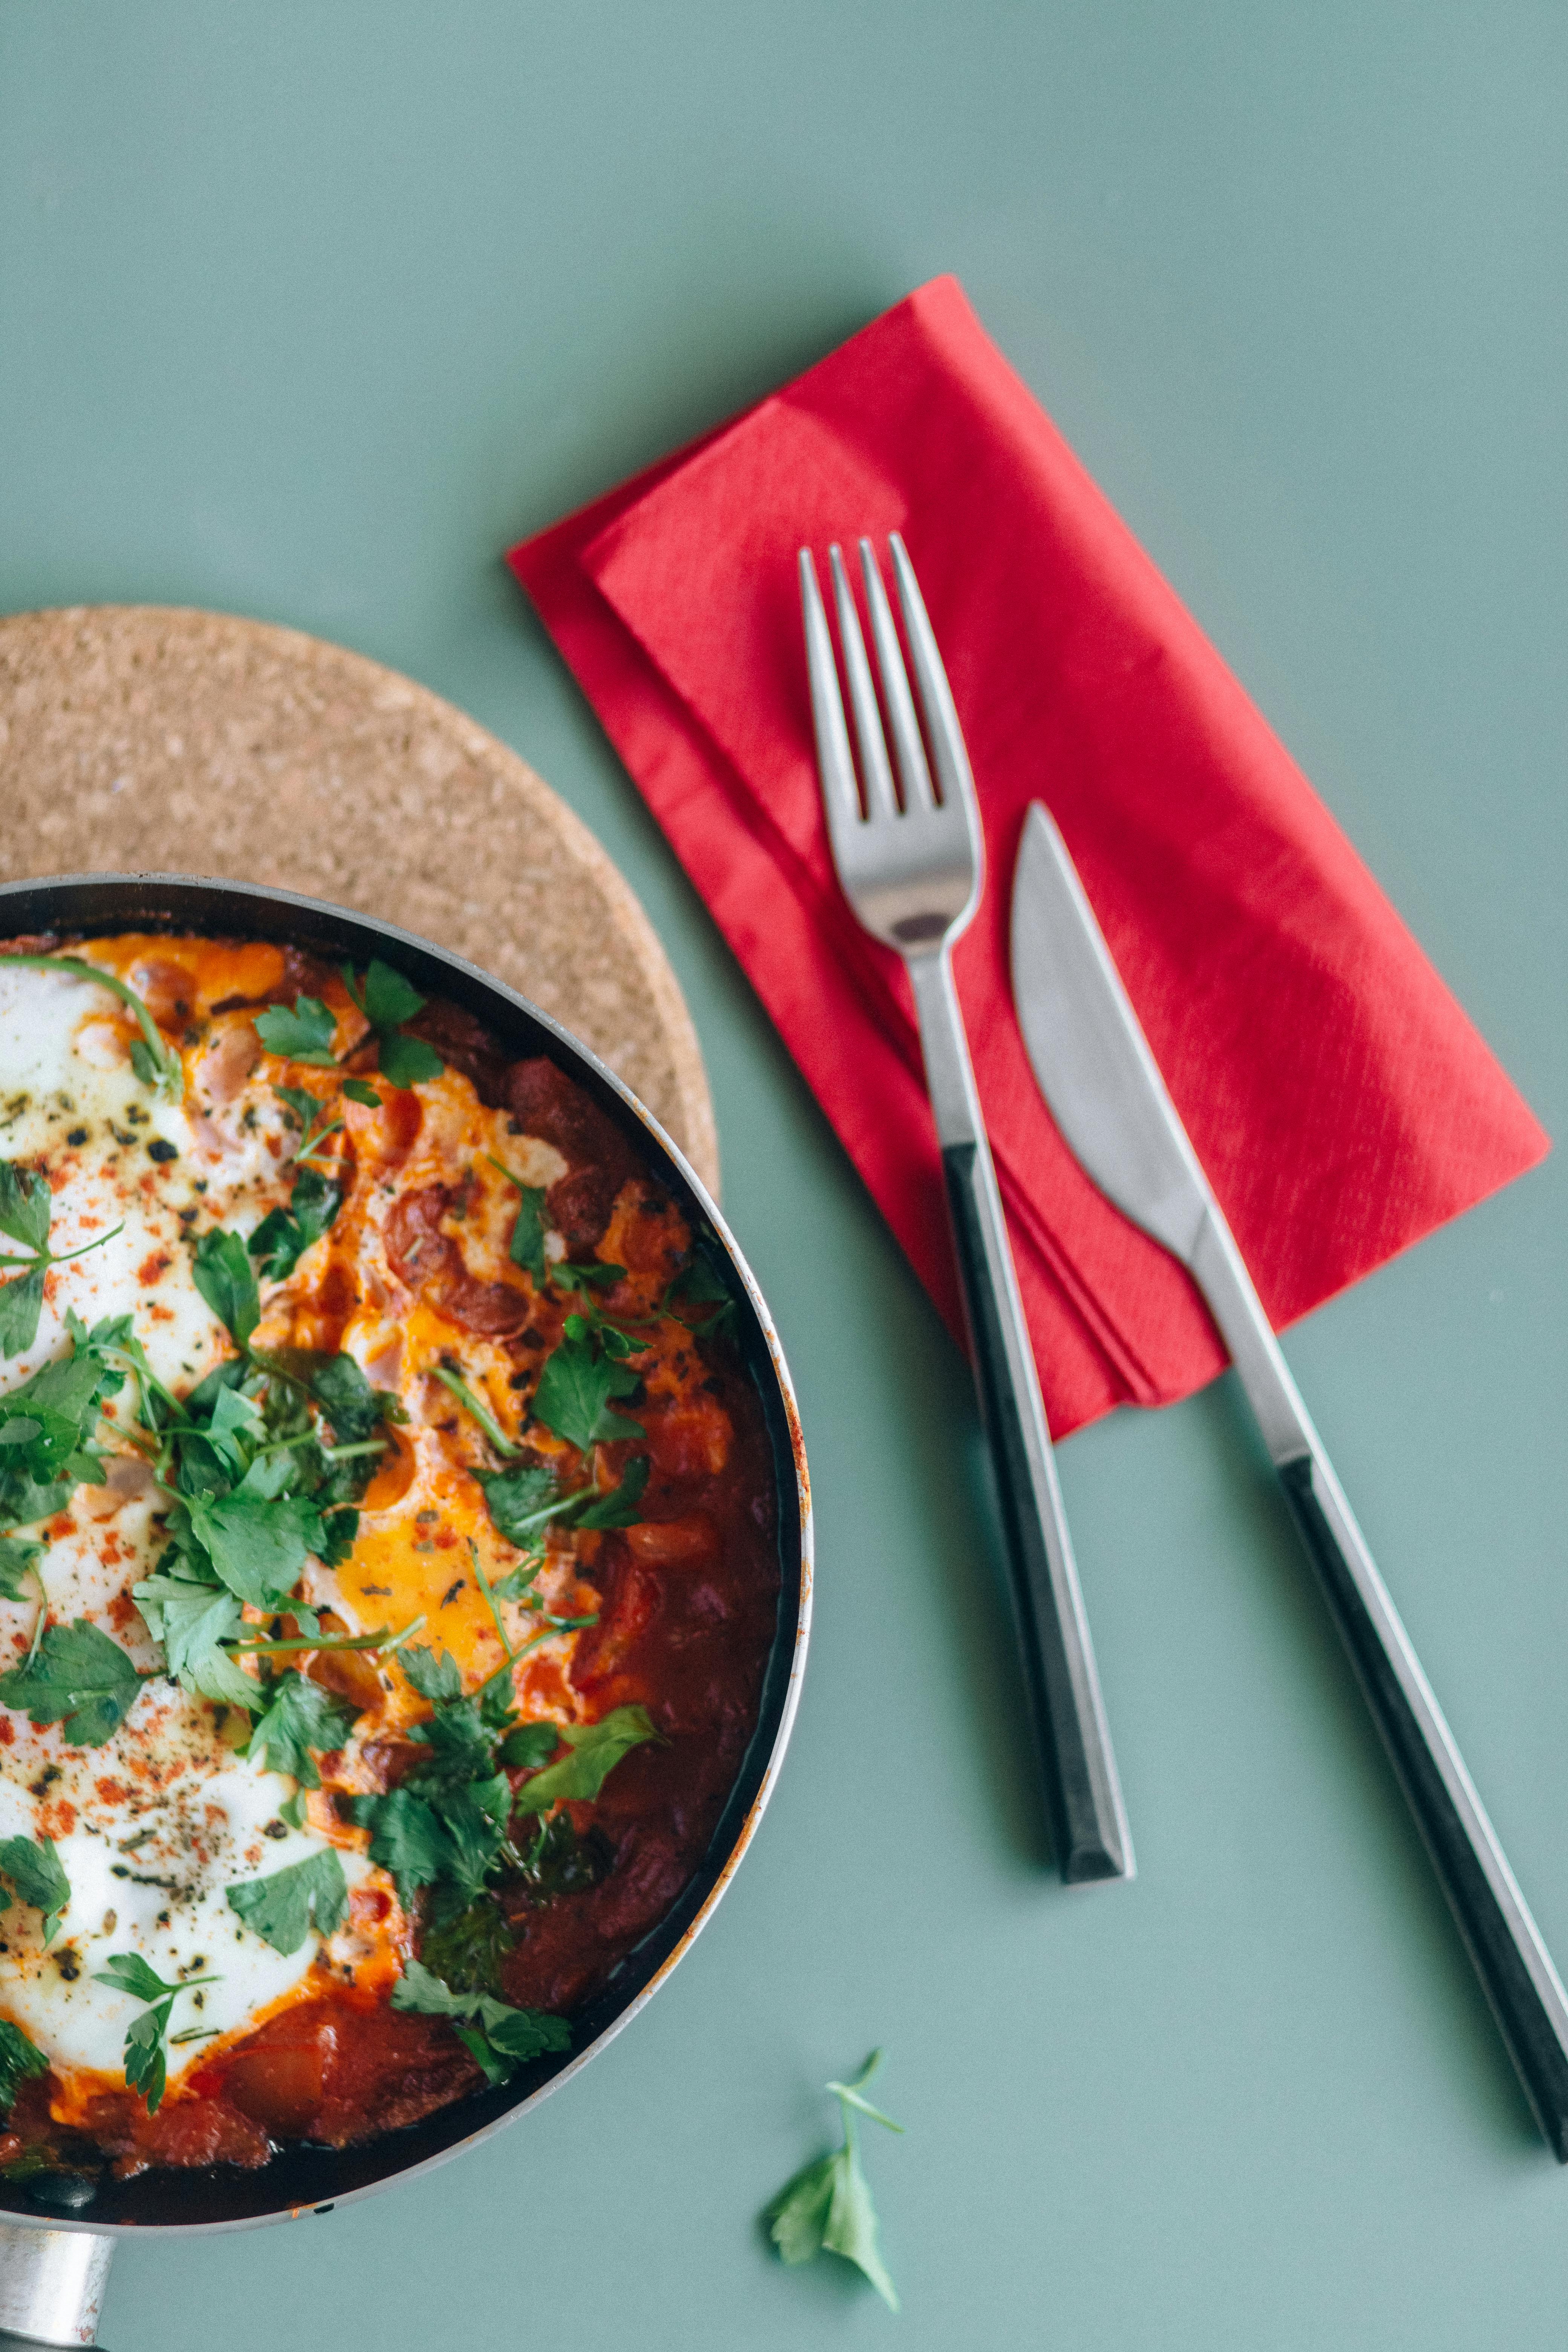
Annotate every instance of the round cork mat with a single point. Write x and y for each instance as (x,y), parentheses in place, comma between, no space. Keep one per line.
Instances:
(138,737)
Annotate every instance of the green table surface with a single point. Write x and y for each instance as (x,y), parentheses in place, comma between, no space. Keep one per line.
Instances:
(305,311)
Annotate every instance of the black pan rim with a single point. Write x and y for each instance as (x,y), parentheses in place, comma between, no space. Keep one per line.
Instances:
(309,2179)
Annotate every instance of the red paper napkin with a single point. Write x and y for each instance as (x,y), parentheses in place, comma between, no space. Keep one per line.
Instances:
(1340,1101)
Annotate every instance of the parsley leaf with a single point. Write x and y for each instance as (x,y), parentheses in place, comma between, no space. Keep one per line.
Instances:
(304,1035)
(79,1678)
(45,1426)
(18,2058)
(225,1276)
(527,1232)
(355,1409)
(21,1306)
(406,1838)
(257,1543)
(357,1091)
(469,1950)
(498,2037)
(520,1501)
(597,1750)
(18,1554)
(576,1387)
(194,1619)
(530,1746)
(25,1202)
(434,1676)
(279,1909)
(618,1508)
(302,1716)
(387,1000)
(283,1237)
(33,1869)
(146,2068)
(829,2202)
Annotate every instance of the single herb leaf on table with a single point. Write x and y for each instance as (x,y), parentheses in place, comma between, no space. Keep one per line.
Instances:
(827,2205)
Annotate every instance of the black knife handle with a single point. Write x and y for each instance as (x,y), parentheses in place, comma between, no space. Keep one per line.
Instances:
(1503,1942)
(1083,1797)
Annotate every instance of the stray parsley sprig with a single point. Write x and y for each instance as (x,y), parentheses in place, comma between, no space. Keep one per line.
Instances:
(155,1063)
(146,2067)
(25,1202)
(828,2204)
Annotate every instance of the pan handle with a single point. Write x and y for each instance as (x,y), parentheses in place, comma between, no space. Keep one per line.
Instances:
(51,2286)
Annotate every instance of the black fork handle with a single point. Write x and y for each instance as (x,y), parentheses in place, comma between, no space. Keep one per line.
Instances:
(1078,1768)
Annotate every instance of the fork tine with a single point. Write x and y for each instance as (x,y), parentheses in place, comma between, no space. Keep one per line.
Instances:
(930,678)
(840,796)
(908,749)
(880,798)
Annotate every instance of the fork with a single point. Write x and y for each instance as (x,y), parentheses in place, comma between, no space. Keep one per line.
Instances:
(912,872)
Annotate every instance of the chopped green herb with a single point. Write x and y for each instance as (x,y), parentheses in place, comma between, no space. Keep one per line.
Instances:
(482,1413)
(387,1001)
(146,2068)
(305,1034)
(280,1909)
(33,1869)
(225,1276)
(499,2038)
(828,2204)
(79,1679)
(358,1091)
(597,1750)
(527,1232)
(469,1950)
(18,2058)
(301,1717)
(25,1202)
(579,1379)
(283,1237)
(435,1675)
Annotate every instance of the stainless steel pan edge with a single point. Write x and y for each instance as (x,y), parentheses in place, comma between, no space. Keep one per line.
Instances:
(308,2180)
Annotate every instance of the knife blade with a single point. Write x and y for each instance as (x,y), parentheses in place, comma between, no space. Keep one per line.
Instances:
(1105,1093)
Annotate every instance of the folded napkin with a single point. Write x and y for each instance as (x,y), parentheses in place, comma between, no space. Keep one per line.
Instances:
(1340,1100)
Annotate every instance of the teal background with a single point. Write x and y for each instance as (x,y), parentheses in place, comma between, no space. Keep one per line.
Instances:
(306,312)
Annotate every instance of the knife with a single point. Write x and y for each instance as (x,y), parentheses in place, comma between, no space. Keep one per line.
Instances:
(1107,1098)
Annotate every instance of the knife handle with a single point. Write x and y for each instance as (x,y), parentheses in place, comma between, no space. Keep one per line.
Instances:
(1503,1942)
(1082,1793)
(1502,1939)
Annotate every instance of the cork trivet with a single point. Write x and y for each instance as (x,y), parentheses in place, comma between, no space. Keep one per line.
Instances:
(137,738)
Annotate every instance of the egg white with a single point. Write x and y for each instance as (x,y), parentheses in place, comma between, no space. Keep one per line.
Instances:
(155,1826)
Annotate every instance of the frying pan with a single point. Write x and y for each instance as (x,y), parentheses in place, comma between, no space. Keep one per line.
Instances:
(56,2246)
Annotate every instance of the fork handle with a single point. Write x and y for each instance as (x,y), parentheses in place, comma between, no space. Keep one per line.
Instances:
(1082,1793)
